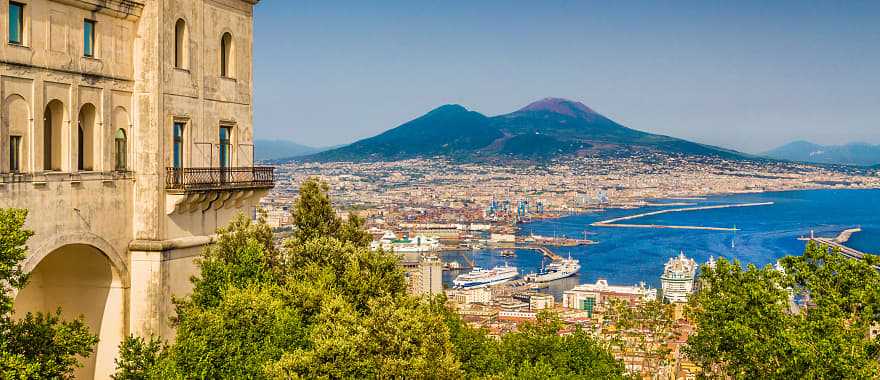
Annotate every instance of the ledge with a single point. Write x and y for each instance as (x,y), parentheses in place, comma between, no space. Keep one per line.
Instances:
(42,178)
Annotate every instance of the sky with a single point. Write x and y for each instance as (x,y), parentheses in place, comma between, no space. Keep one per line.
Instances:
(747,75)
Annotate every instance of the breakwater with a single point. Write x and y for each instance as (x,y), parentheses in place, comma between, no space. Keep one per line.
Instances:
(615,221)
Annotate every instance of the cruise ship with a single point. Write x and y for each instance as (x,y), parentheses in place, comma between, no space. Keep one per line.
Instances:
(678,278)
(480,277)
(558,269)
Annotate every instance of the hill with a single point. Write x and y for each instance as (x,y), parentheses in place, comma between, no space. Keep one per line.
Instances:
(859,154)
(545,129)
(278,149)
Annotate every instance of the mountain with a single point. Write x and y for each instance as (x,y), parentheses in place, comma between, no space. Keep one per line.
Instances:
(859,154)
(278,149)
(542,130)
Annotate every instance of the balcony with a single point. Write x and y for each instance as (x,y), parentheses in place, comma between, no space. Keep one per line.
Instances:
(185,180)
(200,189)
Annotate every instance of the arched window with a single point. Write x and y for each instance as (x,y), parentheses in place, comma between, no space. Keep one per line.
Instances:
(53,122)
(181,51)
(226,63)
(121,149)
(14,123)
(86,138)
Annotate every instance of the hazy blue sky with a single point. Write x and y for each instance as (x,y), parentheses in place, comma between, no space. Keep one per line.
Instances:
(741,74)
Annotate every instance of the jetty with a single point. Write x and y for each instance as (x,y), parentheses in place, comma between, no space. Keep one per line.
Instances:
(615,221)
(543,250)
(837,242)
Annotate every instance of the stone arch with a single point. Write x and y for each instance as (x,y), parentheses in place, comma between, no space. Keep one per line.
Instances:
(72,273)
(16,118)
(39,252)
(227,55)
(181,44)
(120,122)
(54,132)
(86,146)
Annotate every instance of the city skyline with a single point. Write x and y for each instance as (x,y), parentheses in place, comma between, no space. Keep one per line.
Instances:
(712,73)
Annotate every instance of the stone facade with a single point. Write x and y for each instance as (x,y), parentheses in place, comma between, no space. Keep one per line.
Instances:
(119,205)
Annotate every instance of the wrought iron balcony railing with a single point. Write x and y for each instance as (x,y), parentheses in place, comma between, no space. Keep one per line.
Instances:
(203,179)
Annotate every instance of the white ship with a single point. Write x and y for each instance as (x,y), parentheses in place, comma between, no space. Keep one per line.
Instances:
(558,269)
(480,277)
(678,278)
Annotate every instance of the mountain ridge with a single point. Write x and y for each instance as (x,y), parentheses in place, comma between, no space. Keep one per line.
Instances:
(854,153)
(542,130)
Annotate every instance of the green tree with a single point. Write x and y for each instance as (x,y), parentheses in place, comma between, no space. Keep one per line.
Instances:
(748,327)
(38,345)
(314,217)
(137,356)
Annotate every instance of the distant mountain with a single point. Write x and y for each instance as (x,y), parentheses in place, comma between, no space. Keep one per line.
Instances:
(545,129)
(278,149)
(860,154)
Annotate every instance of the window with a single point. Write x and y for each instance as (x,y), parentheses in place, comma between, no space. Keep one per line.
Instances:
(225,151)
(180,45)
(178,145)
(89,38)
(14,153)
(121,148)
(16,23)
(226,56)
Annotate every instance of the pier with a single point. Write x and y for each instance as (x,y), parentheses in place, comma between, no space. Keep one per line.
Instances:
(614,222)
(543,250)
(837,242)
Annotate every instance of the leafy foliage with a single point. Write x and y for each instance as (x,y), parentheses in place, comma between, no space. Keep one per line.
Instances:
(326,306)
(38,345)
(749,326)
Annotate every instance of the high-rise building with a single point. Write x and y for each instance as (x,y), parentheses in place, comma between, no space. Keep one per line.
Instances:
(126,131)
(678,278)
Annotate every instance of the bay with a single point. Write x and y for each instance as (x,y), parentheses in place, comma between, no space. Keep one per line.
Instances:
(627,256)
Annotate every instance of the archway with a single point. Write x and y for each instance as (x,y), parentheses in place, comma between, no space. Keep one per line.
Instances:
(82,281)
(86,138)
(14,126)
(53,134)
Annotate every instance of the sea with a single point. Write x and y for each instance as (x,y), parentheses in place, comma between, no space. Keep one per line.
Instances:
(629,256)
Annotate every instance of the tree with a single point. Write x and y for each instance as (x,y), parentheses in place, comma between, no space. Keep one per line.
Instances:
(38,345)
(645,330)
(747,326)
(326,306)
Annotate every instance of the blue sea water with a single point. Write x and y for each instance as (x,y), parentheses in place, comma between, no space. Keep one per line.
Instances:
(632,255)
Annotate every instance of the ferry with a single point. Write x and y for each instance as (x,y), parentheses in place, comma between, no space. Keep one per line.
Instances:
(558,269)
(480,277)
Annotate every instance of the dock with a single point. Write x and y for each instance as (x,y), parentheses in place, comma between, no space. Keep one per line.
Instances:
(837,242)
(614,222)
(543,250)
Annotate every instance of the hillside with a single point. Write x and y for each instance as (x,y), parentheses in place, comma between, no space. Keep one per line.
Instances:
(545,129)
(277,149)
(859,154)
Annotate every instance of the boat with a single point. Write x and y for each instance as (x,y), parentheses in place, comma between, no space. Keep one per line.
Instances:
(507,253)
(557,270)
(480,277)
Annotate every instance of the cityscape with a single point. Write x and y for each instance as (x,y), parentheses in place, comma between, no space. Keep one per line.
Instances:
(237,189)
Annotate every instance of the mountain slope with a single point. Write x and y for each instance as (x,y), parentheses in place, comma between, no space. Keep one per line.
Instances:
(277,149)
(859,154)
(542,130)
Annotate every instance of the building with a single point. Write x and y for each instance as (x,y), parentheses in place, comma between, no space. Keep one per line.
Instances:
(424,273)
(471,296)
(594,297)
(678,278)
(126,130)
(541,301)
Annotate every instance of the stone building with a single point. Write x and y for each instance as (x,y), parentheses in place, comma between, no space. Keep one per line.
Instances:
(126,131)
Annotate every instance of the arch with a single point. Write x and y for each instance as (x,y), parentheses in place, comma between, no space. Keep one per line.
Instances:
(227,61)
(39,251)
(120,122)
(14,130)
(120,146)
(54,131)
(86,138)
(181,45)
(82,281)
